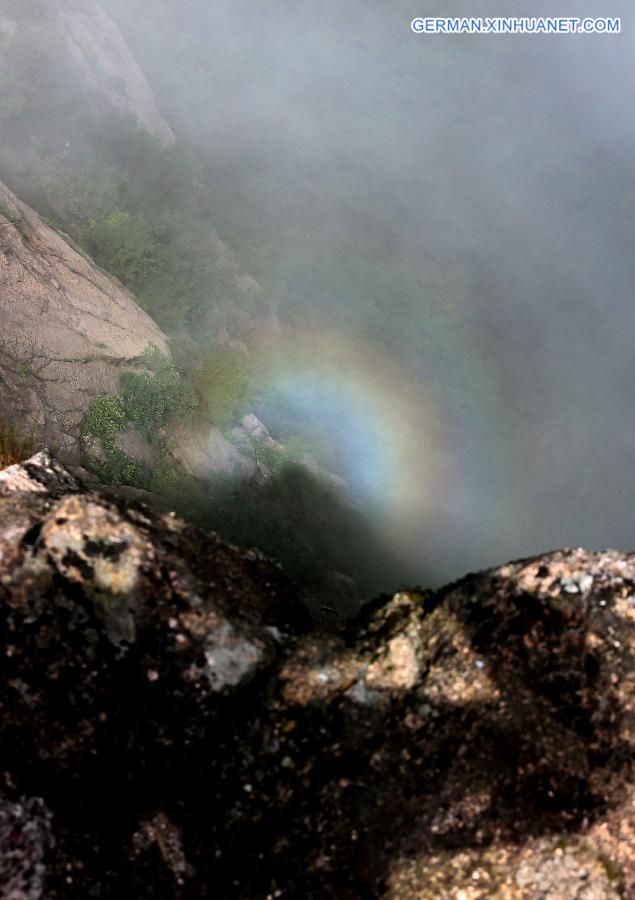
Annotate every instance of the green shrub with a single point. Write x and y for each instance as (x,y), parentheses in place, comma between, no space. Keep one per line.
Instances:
(10,212)
(179,492)
(92,193)
(278,458)
(122,244)
(117,468)
(106,416)
(155,359)
(223,382)
(150,399)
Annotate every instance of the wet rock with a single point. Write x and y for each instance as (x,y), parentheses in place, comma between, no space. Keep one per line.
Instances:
(190,736)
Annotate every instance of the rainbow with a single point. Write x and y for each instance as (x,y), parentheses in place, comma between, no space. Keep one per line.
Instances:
(431,478)
(389,434)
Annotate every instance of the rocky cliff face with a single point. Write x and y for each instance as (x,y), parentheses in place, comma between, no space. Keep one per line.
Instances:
(105,66)
(68,330)
(81,50)
(171,728)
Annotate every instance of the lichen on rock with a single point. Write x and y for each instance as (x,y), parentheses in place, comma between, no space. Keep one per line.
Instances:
(189,735)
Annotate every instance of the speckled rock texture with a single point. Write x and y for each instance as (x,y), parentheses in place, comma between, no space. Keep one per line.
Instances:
(171,727)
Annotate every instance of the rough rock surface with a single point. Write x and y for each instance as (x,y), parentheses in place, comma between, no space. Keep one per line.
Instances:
(39,475)
(205,451)
(170,728)
(68,329)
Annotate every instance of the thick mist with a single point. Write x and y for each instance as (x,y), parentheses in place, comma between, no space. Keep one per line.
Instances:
(445,227)
(465,201)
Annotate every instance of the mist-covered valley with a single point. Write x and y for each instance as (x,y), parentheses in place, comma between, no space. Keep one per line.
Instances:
(394,274)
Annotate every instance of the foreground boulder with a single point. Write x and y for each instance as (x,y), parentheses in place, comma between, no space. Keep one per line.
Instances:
(171,727)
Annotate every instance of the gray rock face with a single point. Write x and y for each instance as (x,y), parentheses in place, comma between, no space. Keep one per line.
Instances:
(187,735)
(204,451)
(68,330)
(105,65)
(94,53)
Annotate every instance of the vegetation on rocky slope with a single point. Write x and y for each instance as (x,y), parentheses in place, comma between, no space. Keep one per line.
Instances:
(68,329)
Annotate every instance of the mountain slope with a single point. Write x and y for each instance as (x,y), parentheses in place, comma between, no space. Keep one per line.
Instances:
(68,329)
